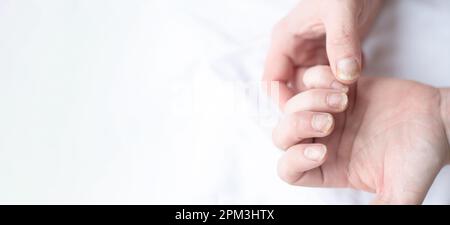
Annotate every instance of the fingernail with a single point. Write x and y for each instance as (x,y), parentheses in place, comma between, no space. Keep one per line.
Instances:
(347,69)
(339,86)
(322,122)
(314,152)
(337,100)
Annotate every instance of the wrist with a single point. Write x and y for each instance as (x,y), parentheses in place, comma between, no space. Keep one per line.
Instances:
(445,115)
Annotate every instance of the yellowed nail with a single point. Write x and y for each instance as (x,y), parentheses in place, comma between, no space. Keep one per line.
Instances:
(337,100)
(322,122)
(348,69)
(314,152)
(339,86)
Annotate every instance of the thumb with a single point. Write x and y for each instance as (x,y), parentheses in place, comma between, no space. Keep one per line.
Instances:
(342,39)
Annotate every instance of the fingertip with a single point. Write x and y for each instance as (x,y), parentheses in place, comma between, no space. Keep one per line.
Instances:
(312,155)
(322,77)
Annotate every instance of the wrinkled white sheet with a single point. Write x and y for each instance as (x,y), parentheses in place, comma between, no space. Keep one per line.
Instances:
(142,101)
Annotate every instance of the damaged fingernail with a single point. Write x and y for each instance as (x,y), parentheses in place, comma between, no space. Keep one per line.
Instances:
(348,69)
(315,152)
(339,86)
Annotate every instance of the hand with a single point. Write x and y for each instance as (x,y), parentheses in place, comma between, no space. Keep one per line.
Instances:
(318,32)
(391,139)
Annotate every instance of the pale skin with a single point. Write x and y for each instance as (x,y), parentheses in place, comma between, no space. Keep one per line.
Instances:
(388,136)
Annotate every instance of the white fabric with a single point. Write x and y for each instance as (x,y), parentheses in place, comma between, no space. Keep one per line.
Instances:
(110,101)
